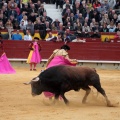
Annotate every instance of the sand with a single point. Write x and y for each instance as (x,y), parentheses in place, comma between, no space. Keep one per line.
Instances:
(16,102)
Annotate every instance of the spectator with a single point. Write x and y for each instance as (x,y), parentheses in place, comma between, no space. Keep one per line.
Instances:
(33,9)
(115,17)
(82,8)
(25,19)
(25,2)
(11,5)
(96,4)
(81,18)
(56,23)
(106,5)
(117,28)
(69,26)
(17,36)
(66,21)
(12,12)
(66,39)
(41,10)
(42,29)
(67,3)
(38,5)
(25,10)
(87,21)
(1,25)
(66,13)
(104,28)
(89,4)
(30,27)
(69,35)
(117,6)
(96,27)
(92,24)
(111,14)
(48,26)
(59,38)
(53,27)
(20,17)
(32,17)
(76,12)
(57,3)
(4,19)
(78,29)
(117,36)
(5,11)
(17,9)
(88,16)
(27,37)
(96,16)
(12,19)
(118,19)
(9,27)
(61,27)
(50,37)
(102,9)
(96,34)
(16,26)
(22,26)
(37,25)
(72,18)
(86,28)
(111,26)
(47,18)
(105,19)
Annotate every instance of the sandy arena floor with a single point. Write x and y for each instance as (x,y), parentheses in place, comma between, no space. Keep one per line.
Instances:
(16,102)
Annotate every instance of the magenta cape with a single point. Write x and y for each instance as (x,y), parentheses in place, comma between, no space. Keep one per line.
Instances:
(5,66)
(36,58)
(58,60)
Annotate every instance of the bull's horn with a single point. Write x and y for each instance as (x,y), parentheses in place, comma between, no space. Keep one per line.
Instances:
(35,79)
(27,83)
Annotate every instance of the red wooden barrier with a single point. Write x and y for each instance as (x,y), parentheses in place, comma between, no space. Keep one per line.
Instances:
(80,51)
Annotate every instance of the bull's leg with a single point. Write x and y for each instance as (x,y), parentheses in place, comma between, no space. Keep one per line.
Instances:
(87,89)
(56,97)
(64,98)
(101,90)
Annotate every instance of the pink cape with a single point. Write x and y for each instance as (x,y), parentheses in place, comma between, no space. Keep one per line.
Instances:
(58,60)
(36,58)
(5,66)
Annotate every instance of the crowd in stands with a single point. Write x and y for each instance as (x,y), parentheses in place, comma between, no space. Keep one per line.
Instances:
(79,16)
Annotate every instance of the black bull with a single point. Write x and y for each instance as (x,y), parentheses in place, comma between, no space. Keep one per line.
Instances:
(61,79)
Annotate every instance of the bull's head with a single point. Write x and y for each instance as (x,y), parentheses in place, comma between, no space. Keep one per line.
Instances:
(35,86)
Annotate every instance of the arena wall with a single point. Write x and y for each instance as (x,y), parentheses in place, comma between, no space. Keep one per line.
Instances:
(95,54)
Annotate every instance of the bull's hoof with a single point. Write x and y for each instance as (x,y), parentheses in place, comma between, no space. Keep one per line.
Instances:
(112,105)
(84,102)
(67,103)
